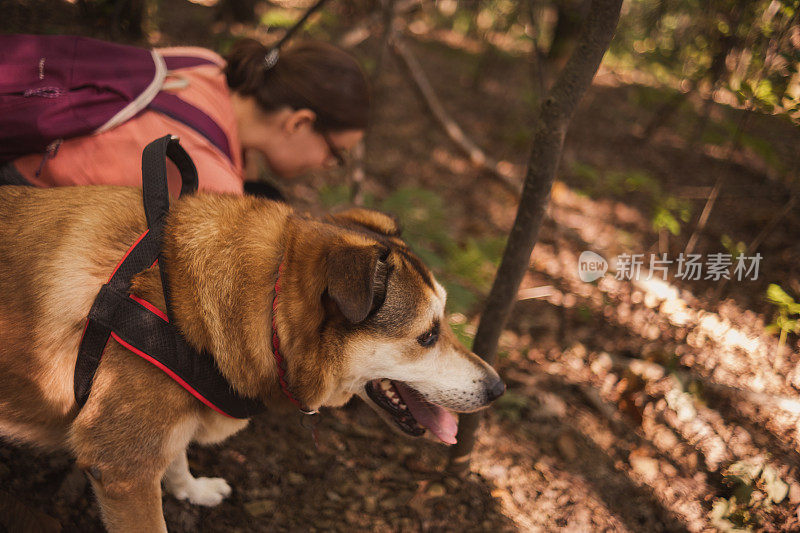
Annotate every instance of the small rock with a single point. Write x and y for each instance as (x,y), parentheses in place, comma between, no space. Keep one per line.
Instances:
(669,470)
(794,493)
(566,446)
(436,490)
(370,503)
(602,364)
(260,507)
(352,517)
(406,450)
(552,405)
(333,496)
(295,479)
(415,465)
(453,483)
(390,503)
(645,466)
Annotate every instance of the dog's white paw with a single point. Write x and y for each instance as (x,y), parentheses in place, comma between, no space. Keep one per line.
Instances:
(208,491)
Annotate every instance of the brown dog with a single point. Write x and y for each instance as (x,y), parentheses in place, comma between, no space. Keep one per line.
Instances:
(358,313)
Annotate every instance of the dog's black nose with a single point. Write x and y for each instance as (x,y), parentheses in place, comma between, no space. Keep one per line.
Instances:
(495,390)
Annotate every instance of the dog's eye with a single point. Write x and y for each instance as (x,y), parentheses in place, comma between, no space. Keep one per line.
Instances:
(430,337)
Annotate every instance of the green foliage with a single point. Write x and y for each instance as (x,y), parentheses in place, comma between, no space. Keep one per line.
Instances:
(459,297)
(648,97)
(285,18)
(745,478)
(585,314)
(463,336)
(465,267)
(664,219)
(670,212)
(511,406)
(744,47)
(333,195)
(667,211)
(280,18)
(764,149)
(787,321)
(735,248)
(721,133)
(475,19)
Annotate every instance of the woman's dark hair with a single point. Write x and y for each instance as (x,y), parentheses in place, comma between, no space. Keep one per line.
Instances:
(313,75)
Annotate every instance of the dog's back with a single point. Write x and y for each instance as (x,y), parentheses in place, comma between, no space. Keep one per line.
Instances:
(50,272)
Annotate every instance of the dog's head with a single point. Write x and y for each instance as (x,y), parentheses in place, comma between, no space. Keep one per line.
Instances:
(359,314)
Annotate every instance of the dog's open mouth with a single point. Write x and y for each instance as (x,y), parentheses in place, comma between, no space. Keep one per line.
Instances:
(411,412)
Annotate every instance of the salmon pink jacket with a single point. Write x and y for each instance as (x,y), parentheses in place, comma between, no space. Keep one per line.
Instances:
(113,157)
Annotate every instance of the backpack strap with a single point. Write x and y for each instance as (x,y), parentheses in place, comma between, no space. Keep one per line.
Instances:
(174,107)
(138,325)
(143,99)
(179,62)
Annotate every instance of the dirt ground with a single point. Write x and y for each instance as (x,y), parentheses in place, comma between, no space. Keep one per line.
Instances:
(631,406)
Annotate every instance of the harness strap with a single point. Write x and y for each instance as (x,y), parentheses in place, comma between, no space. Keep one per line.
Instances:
(140,256)
(155,193)
(150,336)
(136,324)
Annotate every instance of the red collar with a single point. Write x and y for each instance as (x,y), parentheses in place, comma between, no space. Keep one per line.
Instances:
(276,350)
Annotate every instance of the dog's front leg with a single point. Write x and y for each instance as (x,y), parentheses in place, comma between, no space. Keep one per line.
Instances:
(129,505)
(179,482)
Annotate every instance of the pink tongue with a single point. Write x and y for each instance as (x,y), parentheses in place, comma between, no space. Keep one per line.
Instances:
(440,421)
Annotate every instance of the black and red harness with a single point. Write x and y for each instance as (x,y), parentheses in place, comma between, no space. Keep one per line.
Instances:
(144,329)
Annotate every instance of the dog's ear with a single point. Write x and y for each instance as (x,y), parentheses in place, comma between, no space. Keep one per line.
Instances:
(356,277)
(374,220)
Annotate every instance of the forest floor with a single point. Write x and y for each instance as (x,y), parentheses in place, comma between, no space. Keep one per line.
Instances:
(644,405)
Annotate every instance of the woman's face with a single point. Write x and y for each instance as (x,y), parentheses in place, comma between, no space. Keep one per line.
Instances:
(292,145)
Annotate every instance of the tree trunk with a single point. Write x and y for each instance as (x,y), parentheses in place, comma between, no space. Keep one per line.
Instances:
(555,114)
(571,17)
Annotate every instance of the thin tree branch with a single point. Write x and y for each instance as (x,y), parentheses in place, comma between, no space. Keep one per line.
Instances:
(507,177)
(765,232)
(772,224)
(712,198)
(358,172)
(361,32)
